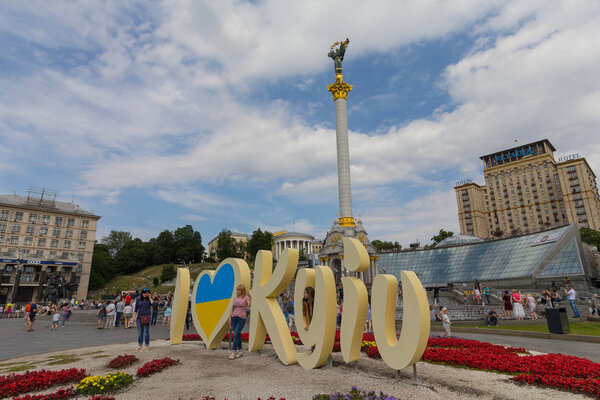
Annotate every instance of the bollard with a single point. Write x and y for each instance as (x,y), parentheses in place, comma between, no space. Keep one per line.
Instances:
(415,374)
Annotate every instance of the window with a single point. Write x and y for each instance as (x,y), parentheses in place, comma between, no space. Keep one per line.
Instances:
(25,252)
(16,228)
(43,231)
(56,232)
(58,221)
(28,241)
(53,254)
(82,245)
(67,244)
(14,240)
(18,216)
(41,242)
(80,256)
(2,226)
(71,222)
(1,238)
(64,255)
(69,233)
(32,218)
(45,219)
(84,233)
(85,223)
(39,253)
(12,252)
(79,267)
(54,243)
(4,215)
(29,229)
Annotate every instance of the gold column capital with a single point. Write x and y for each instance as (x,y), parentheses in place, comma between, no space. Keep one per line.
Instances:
(347,221)
(339,89)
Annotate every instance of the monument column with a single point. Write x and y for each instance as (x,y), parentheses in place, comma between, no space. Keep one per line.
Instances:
(339,90)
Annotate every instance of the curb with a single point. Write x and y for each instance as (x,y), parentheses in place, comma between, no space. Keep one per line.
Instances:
(539,335)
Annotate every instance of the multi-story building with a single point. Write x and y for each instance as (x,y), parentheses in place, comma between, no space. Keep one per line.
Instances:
(526,190)
(39,235)
(236,236)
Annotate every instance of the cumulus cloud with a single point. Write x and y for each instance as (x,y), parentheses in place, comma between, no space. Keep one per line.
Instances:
(166,97)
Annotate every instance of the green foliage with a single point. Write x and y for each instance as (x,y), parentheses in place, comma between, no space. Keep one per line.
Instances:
(590,236)
(116,240)
(384,245)
(103,266)
(226,245)
(168,272)
(163,248)
(188,244)
(441,236)
(155,281)
(302,255)
(259,241)
(132,257)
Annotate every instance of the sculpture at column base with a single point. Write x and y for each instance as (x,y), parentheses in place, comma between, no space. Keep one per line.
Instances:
(347,221)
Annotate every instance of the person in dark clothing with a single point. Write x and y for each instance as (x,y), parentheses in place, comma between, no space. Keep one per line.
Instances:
(492,317)
(142,314)
(436,294)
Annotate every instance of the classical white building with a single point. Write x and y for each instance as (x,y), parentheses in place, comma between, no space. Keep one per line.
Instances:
(293,240)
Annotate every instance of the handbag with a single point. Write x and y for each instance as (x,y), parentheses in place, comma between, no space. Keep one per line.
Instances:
(145,320)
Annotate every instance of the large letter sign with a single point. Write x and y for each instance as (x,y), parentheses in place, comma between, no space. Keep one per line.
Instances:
(180,305)
(265,314)
(213,297)
(405,352)
(215,290)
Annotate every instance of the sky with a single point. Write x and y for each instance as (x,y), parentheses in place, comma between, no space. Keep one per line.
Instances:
(158,114)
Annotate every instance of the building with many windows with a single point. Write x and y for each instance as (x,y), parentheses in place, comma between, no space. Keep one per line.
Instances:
(526,190)
(39,235)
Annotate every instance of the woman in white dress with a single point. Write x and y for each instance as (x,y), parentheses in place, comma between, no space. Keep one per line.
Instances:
(519,312)
(532,303)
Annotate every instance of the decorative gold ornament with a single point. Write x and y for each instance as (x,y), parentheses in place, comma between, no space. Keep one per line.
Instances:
(336,237)
(339,89)
(362,237)
(347,221)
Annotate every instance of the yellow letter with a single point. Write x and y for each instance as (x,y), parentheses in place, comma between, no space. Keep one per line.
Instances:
(406,351)
(180,305)
(266,315)
(354,313)
(213,296)
(321,331)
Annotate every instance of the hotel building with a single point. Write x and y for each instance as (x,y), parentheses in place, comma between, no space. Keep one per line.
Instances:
(39,235)
(526,190)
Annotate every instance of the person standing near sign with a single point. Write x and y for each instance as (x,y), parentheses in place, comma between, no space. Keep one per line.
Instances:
(237,319)
(141,314)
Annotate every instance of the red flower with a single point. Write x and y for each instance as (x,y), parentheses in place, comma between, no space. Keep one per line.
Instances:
(154,366)
(120,362)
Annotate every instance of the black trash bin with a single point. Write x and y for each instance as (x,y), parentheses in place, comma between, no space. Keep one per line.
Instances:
(557,320)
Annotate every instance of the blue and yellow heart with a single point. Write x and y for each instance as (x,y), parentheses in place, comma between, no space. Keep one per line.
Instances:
(213,297)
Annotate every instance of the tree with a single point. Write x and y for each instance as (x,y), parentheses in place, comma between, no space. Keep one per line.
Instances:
(155,281)
(103,266)
(259,241)
(590,236)
(386,246)
(168,272)
(164,248)
(226,246)
(132,257)
(302,255)
(116,240)
(188,244)
(441,236)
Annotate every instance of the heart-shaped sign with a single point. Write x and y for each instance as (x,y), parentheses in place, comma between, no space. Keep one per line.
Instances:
(213,296)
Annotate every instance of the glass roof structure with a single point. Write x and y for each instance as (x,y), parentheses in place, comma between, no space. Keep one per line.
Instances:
(550,253)
(459,239)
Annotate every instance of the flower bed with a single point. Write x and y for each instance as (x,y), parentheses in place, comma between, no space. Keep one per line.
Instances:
(154,366)
(104,383)
(59,394)
(354,394)
(123,361)
(16,384)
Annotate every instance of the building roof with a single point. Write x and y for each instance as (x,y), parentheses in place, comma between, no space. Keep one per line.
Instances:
(294,234)
(459,239)
(555,252)
(520,146)
(39,204)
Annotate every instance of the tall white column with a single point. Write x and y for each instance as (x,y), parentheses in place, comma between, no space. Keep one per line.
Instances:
(343,157)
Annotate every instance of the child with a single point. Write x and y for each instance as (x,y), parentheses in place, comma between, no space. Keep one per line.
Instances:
(55,318)
(446,322)
(188,319)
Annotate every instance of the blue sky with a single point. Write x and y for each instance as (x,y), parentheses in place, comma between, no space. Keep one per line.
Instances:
(215,114)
